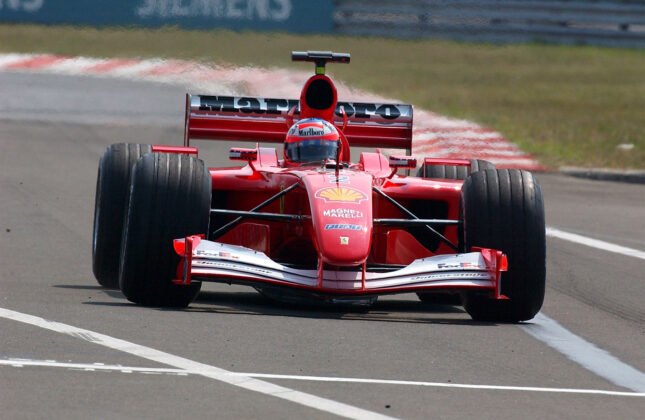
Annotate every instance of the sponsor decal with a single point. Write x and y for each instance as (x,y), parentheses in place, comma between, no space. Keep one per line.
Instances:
(344,240)
(227,255)
(367,110)
(246,105)
(341,195)
(342,227)
(253,10)
(343,179)
(23,5)
(309,128)
(442,266)
(232,266)
(343,213)
(220,254)
(311,132)
(449,276)
(251,105)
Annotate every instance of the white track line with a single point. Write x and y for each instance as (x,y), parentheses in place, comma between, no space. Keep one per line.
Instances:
(594,243)
(446,385)
(213,372)
(90,367)
(585,353)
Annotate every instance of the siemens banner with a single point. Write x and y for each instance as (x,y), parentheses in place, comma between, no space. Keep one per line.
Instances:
(278,15)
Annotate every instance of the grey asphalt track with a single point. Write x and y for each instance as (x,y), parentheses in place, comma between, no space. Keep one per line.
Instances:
(53,130)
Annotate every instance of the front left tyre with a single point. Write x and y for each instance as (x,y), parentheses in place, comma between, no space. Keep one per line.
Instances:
(170,198)
(504,210)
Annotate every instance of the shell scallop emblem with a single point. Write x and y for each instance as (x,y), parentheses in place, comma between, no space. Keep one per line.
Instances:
(341,195)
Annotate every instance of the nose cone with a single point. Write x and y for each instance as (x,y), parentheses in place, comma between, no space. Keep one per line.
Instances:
(341,210)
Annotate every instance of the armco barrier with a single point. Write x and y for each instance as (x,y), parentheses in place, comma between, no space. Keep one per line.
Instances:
(275,15)
(595,22)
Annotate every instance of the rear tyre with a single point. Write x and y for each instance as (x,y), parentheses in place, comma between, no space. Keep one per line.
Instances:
(448,172)
(112,189)
(504,210)
(452,171)
(170,198)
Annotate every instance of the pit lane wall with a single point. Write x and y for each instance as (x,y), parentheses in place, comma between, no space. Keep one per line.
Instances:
(270,15)
(614,23)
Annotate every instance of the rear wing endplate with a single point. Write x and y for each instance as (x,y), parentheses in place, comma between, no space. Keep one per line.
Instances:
(267,120)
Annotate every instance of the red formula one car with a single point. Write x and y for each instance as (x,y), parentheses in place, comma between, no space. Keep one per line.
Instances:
(313,223)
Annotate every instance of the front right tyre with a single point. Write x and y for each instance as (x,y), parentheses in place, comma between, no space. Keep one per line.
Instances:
(110,206)
(170,199)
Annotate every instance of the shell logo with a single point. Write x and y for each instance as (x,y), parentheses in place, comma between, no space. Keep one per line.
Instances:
(341,195)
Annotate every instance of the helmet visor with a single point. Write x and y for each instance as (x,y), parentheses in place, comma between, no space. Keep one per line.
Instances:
(311,150)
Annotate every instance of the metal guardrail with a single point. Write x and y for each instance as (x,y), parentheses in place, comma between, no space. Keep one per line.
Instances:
(596,22)
(615,23)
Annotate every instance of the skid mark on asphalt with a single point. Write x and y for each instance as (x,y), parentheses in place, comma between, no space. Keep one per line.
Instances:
(594,243)
(94,367)
(209,371)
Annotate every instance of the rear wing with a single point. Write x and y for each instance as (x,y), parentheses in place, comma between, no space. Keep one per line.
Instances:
(267,120)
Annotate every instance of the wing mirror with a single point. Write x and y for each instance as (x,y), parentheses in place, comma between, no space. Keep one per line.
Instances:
(248,155)
(405,162)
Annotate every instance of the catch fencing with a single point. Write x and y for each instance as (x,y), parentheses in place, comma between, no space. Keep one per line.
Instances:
(608,23)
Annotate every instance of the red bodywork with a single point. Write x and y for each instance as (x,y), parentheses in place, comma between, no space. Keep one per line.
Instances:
(338,204)
(328,199)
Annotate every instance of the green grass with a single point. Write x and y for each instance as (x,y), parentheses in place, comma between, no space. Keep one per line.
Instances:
(566,105)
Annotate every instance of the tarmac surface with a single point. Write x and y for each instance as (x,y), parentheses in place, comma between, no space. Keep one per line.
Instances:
(53,130)
(634,176)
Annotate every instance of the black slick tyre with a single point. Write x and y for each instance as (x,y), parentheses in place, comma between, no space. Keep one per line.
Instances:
(170,198)
(504,210)
(448,172)
(452,171)
(112,189)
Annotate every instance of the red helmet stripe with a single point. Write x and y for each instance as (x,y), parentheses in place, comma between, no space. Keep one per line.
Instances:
(311,124)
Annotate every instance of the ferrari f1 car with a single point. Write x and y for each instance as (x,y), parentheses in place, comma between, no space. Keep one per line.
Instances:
(312,222)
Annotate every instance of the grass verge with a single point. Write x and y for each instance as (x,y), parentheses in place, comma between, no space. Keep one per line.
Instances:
(566,105)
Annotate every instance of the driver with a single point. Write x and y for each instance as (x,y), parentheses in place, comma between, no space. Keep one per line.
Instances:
(311,140)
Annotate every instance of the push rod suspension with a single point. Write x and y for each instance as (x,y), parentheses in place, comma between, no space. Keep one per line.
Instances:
(415,222)
(413,216)
(259,215)
(230,225)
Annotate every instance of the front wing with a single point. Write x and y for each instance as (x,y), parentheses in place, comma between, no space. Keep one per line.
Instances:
(213,261)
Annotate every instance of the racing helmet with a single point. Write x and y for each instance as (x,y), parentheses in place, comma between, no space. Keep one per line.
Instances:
(311,140)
